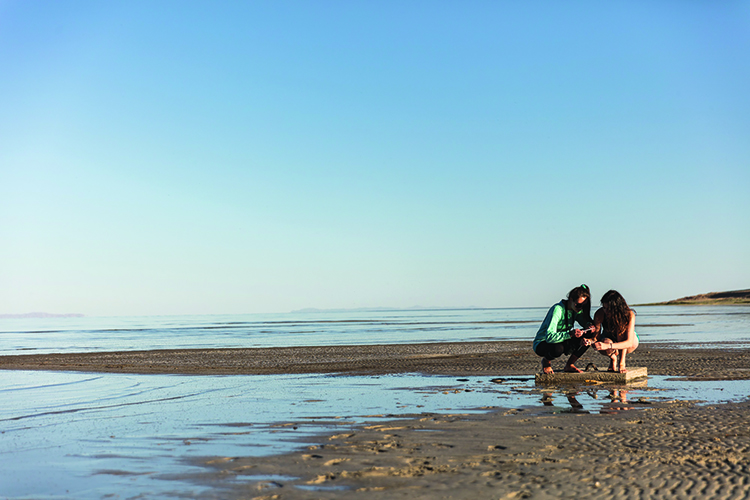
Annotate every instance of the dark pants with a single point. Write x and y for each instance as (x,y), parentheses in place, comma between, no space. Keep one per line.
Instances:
(553,351)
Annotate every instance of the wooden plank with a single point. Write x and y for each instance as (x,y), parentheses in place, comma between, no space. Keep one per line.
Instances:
(597,377)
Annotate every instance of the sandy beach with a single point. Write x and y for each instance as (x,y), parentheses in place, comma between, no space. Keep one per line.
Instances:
(722,361)
(640,449)
(673,450)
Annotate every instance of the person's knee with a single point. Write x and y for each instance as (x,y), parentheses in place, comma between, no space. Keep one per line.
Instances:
(556,351)
(550,351)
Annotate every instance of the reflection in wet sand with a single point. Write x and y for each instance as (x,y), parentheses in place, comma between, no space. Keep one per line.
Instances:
(135,433)
(615,400)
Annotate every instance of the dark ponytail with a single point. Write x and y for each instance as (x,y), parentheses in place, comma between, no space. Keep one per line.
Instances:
(577,293)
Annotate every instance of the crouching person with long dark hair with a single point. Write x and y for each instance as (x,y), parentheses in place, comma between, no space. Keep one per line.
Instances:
(614,323)
(557,336)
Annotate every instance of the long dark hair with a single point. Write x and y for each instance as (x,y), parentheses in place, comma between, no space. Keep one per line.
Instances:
(616,312)
(577,293)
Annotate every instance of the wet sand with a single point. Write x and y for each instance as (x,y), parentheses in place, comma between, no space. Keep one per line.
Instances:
(675,449)
(722,361)
(670,450)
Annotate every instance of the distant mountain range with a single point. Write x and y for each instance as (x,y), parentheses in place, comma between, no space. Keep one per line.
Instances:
(381,309)
(40,315)
(733,297)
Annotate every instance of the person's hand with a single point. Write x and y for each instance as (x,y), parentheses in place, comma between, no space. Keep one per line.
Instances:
(577,332)
(600,346)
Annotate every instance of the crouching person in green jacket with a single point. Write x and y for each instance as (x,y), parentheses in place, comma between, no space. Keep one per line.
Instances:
(557,336)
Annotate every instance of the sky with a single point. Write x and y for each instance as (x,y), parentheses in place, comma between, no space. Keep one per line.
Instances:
(200,157)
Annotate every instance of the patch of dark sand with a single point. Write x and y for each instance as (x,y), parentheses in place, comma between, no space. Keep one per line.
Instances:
(722,361)
(670,450)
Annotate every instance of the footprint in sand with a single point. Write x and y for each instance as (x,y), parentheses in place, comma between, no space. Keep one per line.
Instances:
(335,461)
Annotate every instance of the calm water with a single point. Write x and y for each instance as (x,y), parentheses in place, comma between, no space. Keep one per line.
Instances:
(656,324)
(81,435)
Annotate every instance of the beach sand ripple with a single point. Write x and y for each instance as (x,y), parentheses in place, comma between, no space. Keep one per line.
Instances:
(672,450)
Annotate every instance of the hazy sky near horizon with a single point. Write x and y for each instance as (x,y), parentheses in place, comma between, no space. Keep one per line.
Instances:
(170,157)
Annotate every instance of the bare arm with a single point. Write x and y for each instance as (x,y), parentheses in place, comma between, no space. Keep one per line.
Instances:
(629,342)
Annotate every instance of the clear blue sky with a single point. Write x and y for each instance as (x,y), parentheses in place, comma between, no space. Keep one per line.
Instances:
(162,157)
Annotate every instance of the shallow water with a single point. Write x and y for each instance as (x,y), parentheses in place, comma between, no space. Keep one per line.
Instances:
(133,434)
(678,324)
(88,436)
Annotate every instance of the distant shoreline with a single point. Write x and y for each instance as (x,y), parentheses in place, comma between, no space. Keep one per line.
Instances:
(734,297)
(42,315)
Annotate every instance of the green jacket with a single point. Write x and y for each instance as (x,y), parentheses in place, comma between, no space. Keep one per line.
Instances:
(558,323)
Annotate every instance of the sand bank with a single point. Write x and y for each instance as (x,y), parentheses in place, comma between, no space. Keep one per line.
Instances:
(719,362)
(641,449)
(670,450)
